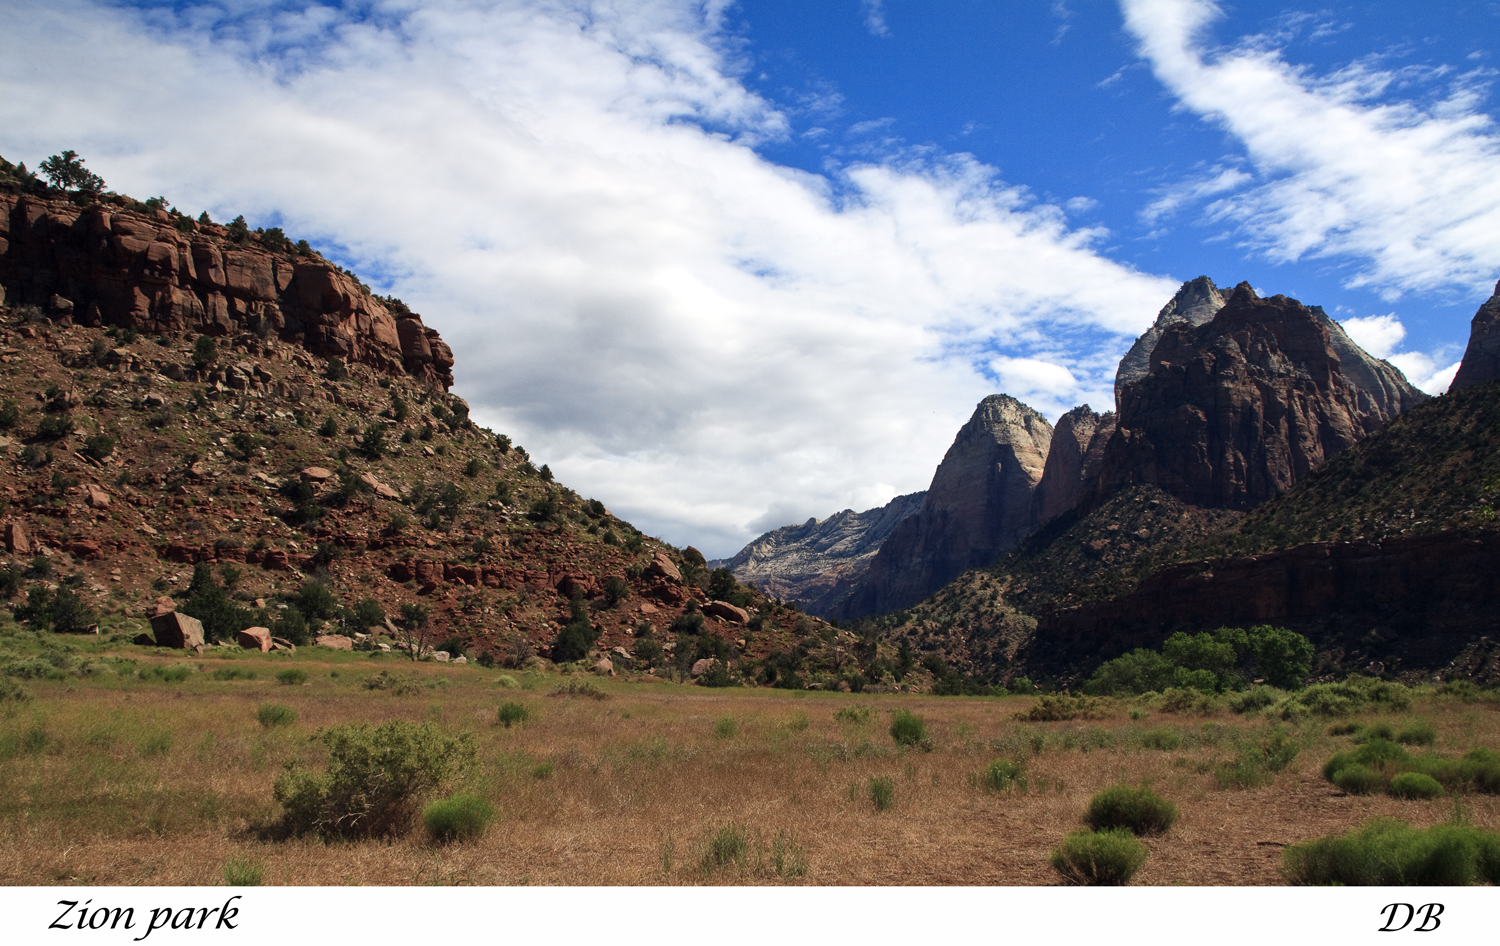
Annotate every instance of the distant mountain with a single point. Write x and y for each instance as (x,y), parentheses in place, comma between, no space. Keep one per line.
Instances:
(816,562)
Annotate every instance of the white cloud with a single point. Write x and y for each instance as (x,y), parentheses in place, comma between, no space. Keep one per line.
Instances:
(1216,181)
(567,191)
(1381,336)
(875,17)
(1410,193)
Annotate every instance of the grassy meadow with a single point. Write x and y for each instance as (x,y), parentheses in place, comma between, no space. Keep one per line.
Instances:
(128,765)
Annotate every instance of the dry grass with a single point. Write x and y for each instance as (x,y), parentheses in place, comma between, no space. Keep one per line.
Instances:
(165,783)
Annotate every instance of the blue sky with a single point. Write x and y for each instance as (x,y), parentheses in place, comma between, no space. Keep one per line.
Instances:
(729,265)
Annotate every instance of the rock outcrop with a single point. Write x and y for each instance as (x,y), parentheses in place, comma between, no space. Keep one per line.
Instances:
(817,562)
(117,263)
(1238,409)
(978,506)
(1072,460)
(1195,303)
(1481,362)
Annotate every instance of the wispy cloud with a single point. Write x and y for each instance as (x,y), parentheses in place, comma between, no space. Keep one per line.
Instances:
(1409,193)
(1381,336)
(875,17)
(1215,180)
(568,191)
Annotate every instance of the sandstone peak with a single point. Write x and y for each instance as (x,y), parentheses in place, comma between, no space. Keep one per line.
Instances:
(1194,303)
(1072,460)
(1481,362)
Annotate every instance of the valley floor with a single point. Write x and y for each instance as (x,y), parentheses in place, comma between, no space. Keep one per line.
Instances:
(120,778)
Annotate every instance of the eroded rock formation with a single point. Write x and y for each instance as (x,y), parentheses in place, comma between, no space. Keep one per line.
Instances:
(1072,460)
(1238,409)
(1481,362)
(816,563)
(1195,304)
(109,264)
(978,506)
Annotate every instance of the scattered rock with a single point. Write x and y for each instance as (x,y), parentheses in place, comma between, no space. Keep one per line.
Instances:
(381,490)
(162,605)
(603,665)
(335,641)
(281,643)
(702,666)
(255,638)
(441,656)
(317,474)
(16,540)
(727,611)
(661,566)
(177,630)
(95,497)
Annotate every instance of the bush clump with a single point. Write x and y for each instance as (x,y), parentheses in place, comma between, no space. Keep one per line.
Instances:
(292,676)
(1227,659)
(457,818)
(1099,858)
(272,715)
(1375,765)
(1057,707)
(1139,810)
(376,777)
(1415,785)
(1344,698)
(908,729)
(1387,852)
(1003,775)
(883,792)
(512,714)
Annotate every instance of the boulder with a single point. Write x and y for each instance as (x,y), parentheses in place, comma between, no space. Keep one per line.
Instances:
(460,659)
(727,611)
(255,638)
(647,608)
(177,630)
(145,640)
(317,474)
(441,656)
(281,643)
(381,490)
(162,605)
(702,666)
(661,566)
(95,497)
(16,540)
(335,641)
(603,665)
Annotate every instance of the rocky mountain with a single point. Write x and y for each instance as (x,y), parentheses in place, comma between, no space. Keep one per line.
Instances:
(1481,363)
(1195,303)
(978,506)
(815,563)
(1236,410)
(1072,460)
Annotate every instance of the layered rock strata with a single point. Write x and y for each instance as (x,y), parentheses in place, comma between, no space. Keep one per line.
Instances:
(1195,303)
(1238,409)
(1481,362)
(1072,460)
(978,506)
(109,264)
(817,562)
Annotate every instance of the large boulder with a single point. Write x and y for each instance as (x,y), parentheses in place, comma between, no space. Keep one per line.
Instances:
(727,611)
(16,540)
(174,629)
(255,638)
(335,641)
(661,566)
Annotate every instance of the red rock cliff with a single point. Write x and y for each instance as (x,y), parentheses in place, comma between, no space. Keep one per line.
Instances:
(109,264)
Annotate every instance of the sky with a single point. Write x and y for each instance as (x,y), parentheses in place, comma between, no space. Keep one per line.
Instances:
(730,265)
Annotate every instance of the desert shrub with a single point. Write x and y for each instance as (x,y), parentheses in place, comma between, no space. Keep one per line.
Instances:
(1344,698)
(882,790)
(1255,698)
(512,714)
(507,682)
(207,601)
(1062,706)
(725,727)
(583,688)
(1415,785)
(857,713)
(292,676)
(908,729)
(1373,731)
(1258,760)
(1417,733)
(62,611)
(396,683)
(457,818)
(1099,858)
(725,846)
(1003,775)
(1139,810)
(272,715)
(577,636)
(1358,779)
(374,780)
(1161,738)
(242,872)
(12,692)
(1386,852)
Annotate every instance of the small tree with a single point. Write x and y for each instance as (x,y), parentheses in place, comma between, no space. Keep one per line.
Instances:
(66,172)
(415,638)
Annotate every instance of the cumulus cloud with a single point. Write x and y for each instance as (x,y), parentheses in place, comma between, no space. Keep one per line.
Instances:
(569,192)
(1409,192)
(1381,336)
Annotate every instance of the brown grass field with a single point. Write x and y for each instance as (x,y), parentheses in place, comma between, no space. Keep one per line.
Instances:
(113,779)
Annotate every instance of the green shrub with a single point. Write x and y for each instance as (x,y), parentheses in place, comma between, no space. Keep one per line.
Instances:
(376,777)
(1062,706)
(1255,698)
(1373,731)
(241,872)
(726,728)
(1003,775)
(1161,738)
(857,713)
(1358,779)
(1099,858)
(1140,810)
(1417,733)
(233,673)
(725,846)
(512,714)
(12,692)
(507,682)
(457,818)
(1386,852)
(542,770)
(272,715)
(1414,785)
(908,729)
(292,676)
(1344,698)
(882,792)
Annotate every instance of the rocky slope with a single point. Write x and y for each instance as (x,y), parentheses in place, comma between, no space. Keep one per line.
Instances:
(978,506)
(1195,303)
(815,563)
(1236,410)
